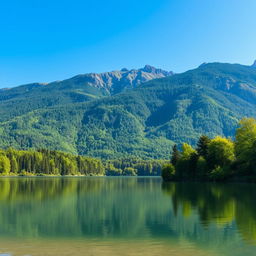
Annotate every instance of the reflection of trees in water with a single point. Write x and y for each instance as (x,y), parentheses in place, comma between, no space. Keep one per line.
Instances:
(39,189)
(220,204)
(78,206)
(125,207)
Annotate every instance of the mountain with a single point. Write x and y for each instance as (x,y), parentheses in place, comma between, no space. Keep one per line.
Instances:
(118,81)
(82,88)
(143,121)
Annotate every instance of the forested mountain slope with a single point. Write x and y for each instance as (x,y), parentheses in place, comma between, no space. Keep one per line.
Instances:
(81,88)
(144,121)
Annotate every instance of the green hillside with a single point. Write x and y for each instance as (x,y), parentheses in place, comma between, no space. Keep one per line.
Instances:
(144,122)
(81,88)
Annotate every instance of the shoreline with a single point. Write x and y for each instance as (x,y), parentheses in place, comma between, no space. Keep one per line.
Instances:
(49,176)
(249,180)
(246,179)
(75,176)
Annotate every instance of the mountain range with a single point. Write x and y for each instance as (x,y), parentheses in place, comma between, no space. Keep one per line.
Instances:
(128,113)
(81,88)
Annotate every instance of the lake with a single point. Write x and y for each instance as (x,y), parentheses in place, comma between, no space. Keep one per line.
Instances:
(125,216)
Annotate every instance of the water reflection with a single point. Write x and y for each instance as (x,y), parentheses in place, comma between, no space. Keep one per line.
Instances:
(78,207)
(209,215)
(220,204)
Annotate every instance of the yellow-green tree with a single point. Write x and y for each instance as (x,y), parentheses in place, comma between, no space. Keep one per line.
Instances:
(186,166)
(5,165)
(221,152)
(245,143)
(187,151)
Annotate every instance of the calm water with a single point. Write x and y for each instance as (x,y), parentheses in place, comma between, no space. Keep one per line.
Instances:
(125,216)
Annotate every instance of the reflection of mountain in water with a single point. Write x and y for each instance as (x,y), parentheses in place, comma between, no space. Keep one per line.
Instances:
(127,208)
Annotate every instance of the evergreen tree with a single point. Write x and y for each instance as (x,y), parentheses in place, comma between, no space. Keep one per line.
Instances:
(175,155)
(193,165)
(202,145)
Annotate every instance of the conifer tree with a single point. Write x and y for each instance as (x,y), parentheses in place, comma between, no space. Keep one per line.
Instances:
(202,145)
(175,155)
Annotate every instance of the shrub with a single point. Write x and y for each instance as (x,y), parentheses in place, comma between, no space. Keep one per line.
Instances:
(218,174)
(168,172)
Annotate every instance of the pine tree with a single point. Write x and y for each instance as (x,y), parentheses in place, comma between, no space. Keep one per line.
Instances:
(202,145)
(175,155)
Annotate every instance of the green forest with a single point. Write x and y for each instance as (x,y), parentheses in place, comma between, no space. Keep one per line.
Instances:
(217,159)
(50,162)
(143,122)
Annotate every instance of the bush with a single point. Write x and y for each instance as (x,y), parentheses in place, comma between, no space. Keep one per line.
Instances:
(129,171)
(218,174)
(168,172)
(201,168)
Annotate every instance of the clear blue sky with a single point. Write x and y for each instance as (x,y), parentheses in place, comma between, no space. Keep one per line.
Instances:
(46,40)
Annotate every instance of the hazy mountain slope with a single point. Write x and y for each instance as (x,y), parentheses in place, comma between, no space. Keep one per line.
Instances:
(144,121)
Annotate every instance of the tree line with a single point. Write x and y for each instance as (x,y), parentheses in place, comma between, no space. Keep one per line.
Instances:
(47,162)
(134,167)
(216,159)
(51,162)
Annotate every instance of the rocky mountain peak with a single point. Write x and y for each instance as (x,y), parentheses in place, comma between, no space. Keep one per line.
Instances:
(149,69)
(117,81)
(124,70)
(156,71)
(110,82)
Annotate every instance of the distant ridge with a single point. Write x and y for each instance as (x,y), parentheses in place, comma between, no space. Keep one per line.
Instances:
(111,82)
(119,80)
(81,88)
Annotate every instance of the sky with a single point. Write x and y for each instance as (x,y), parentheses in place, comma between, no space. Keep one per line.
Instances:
(48,40)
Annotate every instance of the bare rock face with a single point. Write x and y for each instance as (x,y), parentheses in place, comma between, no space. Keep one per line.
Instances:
(87,86)
(120,80)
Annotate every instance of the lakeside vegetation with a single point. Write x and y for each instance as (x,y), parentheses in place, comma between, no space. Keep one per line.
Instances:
(50,162)
(134,166)
(217,159)
(47,162)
